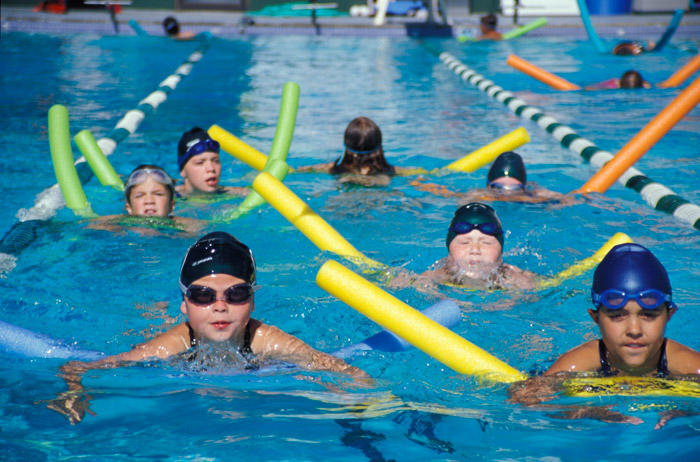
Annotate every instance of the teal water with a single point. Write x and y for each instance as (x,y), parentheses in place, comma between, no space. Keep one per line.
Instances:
(97,289)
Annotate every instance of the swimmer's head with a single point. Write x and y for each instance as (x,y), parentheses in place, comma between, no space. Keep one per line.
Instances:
(363,149)
(509,165)
(217,253)
(171,26)
(194,142)
(627,49)
(631,270)
(489,21)
(631,79)
(149,198)
(473,216)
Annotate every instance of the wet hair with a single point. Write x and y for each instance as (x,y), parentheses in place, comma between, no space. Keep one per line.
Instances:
(217,253)
(171,26)
(129,188)
(490,21)
(627,48)
(631,79)
(363,146)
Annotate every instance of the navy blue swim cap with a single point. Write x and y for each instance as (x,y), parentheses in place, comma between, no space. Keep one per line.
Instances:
(193,142)
(508,164)
(630,268)
(217,253)
(475,213)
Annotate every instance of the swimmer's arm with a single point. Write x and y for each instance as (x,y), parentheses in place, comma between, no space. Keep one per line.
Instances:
(271,342)
(238,191)
(609,84)
(433,188)
(522,279)
(106,223)
(190,225)
(169,343)
(316,168)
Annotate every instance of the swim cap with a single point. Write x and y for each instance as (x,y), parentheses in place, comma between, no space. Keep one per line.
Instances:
(217,253)
(630,268)
(475,213)
(193,142)
(171,26)
(508,164)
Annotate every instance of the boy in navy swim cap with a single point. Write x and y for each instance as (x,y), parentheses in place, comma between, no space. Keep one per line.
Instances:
(217,281)
(475,252)
(200,166)
(632,304)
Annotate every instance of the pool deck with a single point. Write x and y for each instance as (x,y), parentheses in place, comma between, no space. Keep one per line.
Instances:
(229,23)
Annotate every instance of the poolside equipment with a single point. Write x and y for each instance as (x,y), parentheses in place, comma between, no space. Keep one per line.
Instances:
(391,313)
(23,342)
(655,194)
(62,157)
(485,155)
(585,264)
(524,29)
(238,148)
(98,162)
(49,200)
(445,312)
(682,74)
(540,74)
(276,162)
(644,140)
(315,228)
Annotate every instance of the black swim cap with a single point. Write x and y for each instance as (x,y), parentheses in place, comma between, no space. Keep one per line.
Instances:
(171,26)
(630,268)
(217,253)
(475,213)
(508,164)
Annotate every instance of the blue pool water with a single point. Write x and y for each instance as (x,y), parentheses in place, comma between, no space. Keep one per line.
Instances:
(97,289)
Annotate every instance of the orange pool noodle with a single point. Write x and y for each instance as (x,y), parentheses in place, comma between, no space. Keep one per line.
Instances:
(682,74)
(540,74)
(644,140)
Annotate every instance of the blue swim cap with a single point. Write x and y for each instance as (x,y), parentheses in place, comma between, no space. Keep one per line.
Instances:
(630,268)
(194,142)
(475,213)
(217,253)
(508,164)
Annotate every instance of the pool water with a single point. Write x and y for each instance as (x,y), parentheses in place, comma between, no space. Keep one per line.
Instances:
(99,290)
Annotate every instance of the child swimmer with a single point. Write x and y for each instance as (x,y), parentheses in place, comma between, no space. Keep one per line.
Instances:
(217,280)
(632,304)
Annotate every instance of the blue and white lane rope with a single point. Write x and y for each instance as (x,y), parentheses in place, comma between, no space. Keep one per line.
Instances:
(47,202)
(655,194)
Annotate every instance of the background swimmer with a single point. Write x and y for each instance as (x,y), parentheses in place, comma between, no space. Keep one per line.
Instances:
(217,280)
(630,79)
(632,304)
(200,166)
(506,181)
(172,30)
(363,160)
(632,48)
(487,26)
(148,193)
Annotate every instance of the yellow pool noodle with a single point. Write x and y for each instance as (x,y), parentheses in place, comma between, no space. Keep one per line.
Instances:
(630,386)
(420,331)
(238,148)
(587,263)
(488,153)
(315,228)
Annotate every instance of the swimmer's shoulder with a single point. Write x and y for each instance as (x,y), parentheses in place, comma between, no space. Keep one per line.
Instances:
(583,358)
(682,360)
(169,343)
(316,168)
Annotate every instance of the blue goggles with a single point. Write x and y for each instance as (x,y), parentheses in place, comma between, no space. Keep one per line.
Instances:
(491,229)
(614,299)
(506,187)
(207,145)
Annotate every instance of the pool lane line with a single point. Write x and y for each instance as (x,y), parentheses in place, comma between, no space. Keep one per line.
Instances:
(24,231)
(655,194)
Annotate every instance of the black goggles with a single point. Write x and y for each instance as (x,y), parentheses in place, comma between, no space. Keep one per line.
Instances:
(202,295)
(491,229)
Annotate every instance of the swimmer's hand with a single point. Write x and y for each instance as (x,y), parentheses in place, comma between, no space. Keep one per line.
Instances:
(604,414)
(668,415)
(71,404)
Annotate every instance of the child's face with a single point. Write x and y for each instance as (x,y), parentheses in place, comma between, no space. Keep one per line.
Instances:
(149,199)
(475,253)
(201,173)
(218,321)
(633,335)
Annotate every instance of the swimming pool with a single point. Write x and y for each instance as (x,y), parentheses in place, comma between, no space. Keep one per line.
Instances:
(95,288)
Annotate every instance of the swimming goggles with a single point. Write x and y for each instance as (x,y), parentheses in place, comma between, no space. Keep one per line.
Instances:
(206,145)
(614,299)
(203,296)
(142,174)
(506,187)
(491,229)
